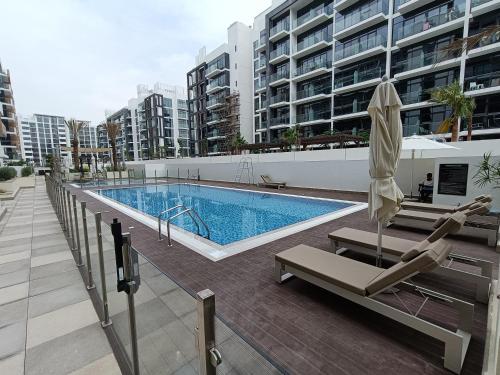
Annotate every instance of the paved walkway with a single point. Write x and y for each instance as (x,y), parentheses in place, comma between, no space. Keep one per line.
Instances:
(48,324)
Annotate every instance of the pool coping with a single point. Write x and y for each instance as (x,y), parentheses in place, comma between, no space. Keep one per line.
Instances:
(214,251)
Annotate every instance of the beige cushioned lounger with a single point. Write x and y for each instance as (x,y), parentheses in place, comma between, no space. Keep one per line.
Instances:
(442,208)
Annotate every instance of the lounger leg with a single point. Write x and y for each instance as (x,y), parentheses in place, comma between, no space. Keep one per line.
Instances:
(482,283)
(454,352)
(280,275)
(492,238)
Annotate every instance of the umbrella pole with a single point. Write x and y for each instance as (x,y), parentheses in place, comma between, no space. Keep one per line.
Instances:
(379,245)
(412,167)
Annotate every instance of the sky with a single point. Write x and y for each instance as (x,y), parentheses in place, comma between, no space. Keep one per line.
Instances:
(78,58)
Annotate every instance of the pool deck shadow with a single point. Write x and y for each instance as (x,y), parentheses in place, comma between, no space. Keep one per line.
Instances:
(302,328)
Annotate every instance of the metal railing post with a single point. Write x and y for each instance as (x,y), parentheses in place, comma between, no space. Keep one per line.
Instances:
(77,234)
(178,174)
(209,356)
(128,175)
(65,212)
(127,270)
(120,175)
(90,279)
(156,181)
(72,233)
(143,177)
(114,177)
(167,174)
(107,321)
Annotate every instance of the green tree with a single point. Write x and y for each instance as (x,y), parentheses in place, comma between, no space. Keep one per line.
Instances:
(488,172)
(237,142)
(461,107)
(113,129)
(292,136)
(74,128)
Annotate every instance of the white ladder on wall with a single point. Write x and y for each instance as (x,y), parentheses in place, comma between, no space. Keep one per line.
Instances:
(245,169)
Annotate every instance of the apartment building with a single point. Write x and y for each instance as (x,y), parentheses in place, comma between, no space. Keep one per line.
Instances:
(153,125)
(9,133)
(43,135)
(220,94)
(317,63)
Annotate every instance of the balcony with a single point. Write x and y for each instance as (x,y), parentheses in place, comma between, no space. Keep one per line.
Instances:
(352,109)
(406,6)
(311,70)
(361,50)
(358,80)
(279,31)
(215,70)
(263,126)
(216,86)
(279,100)
(313,18)
(483,84)
(428,25)
(423,64)
(479,7)
(409,99)
(215,102)
(486,46)
(263,106)
(360,19)
(312,93)
(312,44)
(214,134)
(214,119)
(313,117)
(279,55)
(261,86)
(279,78)
(260,65)
(281,121)
(343,4)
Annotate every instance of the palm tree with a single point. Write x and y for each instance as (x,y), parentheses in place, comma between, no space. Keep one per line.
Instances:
(292,136)
(74,128)
(113,129)
(237,142)
(461,107)
(179,142)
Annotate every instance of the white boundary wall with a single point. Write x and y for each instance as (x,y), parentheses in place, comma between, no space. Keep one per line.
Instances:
(345,169)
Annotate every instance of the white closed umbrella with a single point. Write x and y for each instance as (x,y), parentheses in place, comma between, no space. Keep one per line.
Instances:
(419,143)
(385,197)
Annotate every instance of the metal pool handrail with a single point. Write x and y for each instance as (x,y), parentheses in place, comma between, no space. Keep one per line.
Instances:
(186,210)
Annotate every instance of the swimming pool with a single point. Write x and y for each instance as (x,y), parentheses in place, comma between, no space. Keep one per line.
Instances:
(235,217)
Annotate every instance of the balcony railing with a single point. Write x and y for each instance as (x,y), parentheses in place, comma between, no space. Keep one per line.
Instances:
(279,75)
(281,26)
(313,116)
(475,3)
(215,101)
(485,41)
(313,13)
(217,66)
(284,97)
(359,76)
(261,85)
(360,46)
(313,91)
(422,60)
(278,52)
(352,107)
(413,97)
(482,81)
(212,118)
(214,133)
(282,120)
(263,125)
(311,66)
(263,103)
(314,39)
(360,14)
(215,84)
(429,19)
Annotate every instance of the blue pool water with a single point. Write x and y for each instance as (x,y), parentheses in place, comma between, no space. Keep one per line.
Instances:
(230,214)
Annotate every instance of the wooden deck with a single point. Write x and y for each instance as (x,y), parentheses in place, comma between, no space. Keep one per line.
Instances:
(302,328)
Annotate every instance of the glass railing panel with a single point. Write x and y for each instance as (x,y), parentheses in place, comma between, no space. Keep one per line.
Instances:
(280,121)
(360,46)
(313,116)
(281,26)
(314,39)
(475,3)
(314,90)
(422,60)
(166,318)
(279,75)
(359,76)
(360,14)
(482,81)
(313,13)
(413,97)
(310,66)
(279,98)
(485,41)
(278,52)
(239,357)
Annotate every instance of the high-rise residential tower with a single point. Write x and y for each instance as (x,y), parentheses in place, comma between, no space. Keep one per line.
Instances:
(9,133)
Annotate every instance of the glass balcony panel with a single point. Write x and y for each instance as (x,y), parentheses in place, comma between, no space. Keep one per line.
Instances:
(279,75)
(424,59)
(360,14)
(314,116)
(359,76)
(310,66)
(361,45)
(283,97)
(313,39)
(475,3)
(314,90)
(283,25)
(282,120)
(313,13)
(482,81)
(284,50)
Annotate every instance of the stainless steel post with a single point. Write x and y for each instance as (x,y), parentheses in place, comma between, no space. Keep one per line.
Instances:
(90,279)
(65,213)
(72,232)
(143,177)
(208,355)
(77,234)
(156,181)
(127,270)
(128,175)
(107,321)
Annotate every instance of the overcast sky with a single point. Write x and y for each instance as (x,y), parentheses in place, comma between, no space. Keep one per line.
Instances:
(77,58)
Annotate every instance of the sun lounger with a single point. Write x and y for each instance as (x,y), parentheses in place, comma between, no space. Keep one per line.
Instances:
(268,182)
(360,283)
(477,225)
(441,208)
(394,248)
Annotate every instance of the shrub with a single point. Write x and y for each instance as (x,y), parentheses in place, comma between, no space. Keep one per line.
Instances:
(7,173)
(26,171)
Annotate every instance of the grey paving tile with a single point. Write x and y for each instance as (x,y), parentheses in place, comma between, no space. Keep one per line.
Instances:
(4,244)
(56,299)
(50,249)
(13,365)
(67,353)
(12,338)
(52,269)
(160,284)
(179,301)
(15,248)
(13,312)
(13,278)
(53,282)
(51,241)
(19,265)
